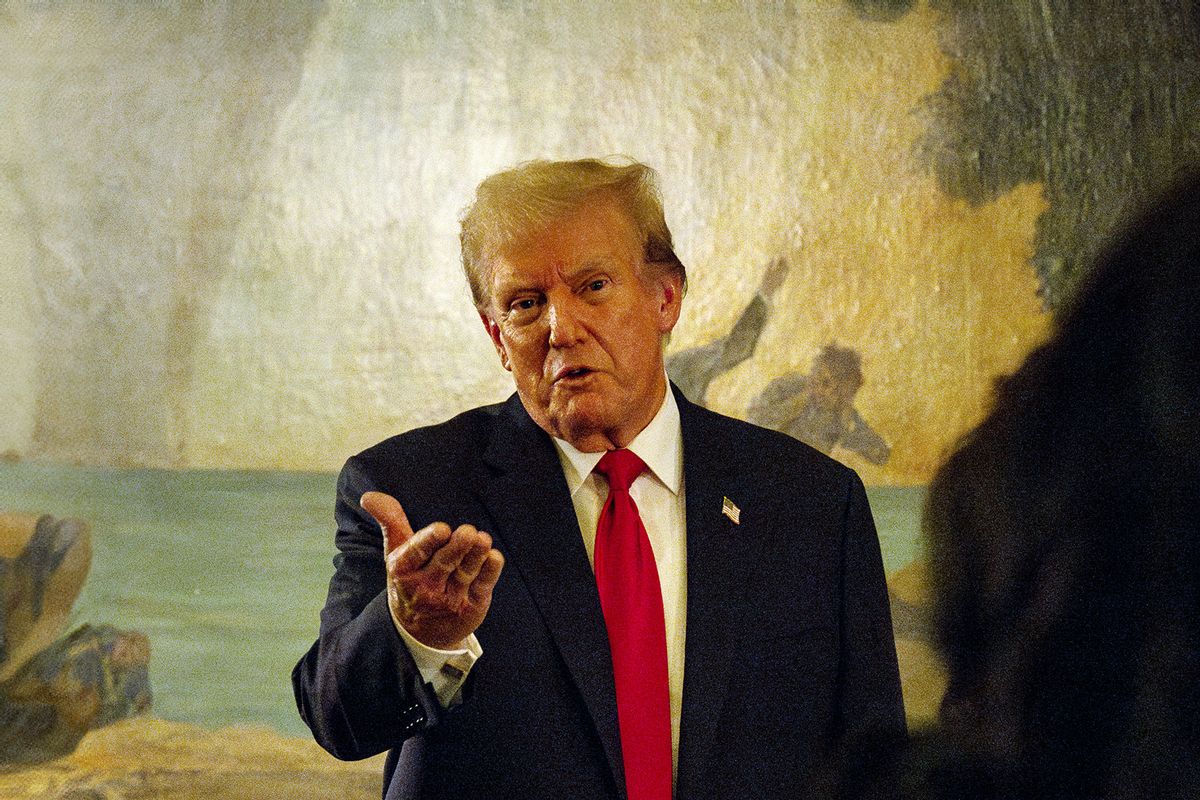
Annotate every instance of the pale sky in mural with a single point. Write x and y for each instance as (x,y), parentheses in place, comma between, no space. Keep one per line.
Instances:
(233,240)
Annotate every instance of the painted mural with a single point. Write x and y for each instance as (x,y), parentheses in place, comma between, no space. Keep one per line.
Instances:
(1101,109)
(55,687)
(815,407)
(694,369)
(228,260)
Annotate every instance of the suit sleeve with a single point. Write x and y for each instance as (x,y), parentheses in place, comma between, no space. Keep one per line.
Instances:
(871,706)
(357,687)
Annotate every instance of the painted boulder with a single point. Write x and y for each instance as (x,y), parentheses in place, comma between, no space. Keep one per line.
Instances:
(55,688)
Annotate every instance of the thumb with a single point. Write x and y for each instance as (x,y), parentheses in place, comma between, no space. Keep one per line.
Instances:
(390,515)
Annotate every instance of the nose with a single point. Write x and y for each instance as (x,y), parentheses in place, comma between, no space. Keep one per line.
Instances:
(566,328)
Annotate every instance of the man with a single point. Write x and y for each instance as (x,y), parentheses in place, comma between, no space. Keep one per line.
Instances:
(558,619)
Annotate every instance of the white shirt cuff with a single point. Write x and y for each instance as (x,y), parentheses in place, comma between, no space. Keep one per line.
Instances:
(445,670)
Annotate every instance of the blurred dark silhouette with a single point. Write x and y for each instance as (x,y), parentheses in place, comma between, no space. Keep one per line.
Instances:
(1064,553)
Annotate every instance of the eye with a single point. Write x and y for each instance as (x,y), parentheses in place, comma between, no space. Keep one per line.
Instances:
(523,309)
(598,284)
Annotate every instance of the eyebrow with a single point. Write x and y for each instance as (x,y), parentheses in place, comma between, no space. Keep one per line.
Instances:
(599,262)
(506,289)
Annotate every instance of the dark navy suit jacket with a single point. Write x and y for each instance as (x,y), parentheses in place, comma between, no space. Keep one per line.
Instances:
(788,649)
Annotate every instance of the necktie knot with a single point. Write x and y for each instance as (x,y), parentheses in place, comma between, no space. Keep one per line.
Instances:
(620,468)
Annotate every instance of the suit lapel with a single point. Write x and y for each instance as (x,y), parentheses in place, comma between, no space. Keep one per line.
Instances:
(717,565)
(527,496)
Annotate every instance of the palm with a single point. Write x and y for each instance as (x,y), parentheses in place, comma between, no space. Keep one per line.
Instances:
(439,582)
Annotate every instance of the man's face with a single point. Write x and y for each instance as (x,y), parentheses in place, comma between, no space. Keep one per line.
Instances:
(579,320)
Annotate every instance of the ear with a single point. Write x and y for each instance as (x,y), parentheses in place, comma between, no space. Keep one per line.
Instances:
(494,332)
(670,301)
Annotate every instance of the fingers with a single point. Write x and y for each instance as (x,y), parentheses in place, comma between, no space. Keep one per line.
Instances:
(463,574)
(468,568)
(459,566)
(489,573)
(421,550)
(440,582)
(390,515)
(436,556)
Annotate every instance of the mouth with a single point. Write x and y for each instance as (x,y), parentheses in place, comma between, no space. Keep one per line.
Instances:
(571,373)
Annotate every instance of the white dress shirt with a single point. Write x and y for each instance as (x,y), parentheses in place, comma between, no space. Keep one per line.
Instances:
(659,495)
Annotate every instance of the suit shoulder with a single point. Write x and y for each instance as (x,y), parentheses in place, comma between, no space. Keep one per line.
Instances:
(459,438)
(758,448)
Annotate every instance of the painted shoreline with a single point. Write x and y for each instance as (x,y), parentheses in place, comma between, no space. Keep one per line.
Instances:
(146,758)
(226,573)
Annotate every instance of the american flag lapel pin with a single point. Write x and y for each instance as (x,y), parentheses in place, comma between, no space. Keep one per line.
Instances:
(730,509)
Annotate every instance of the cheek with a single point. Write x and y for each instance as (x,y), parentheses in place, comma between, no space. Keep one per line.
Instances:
(526,359)
(642,338)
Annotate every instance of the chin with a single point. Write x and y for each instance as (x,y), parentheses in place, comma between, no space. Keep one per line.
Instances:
(581,417)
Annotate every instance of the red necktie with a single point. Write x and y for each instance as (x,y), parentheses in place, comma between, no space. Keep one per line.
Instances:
(631,598)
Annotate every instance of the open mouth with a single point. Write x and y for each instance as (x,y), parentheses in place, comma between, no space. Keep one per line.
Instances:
(578,372)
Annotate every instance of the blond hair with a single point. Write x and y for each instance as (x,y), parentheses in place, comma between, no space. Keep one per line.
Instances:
(517,202)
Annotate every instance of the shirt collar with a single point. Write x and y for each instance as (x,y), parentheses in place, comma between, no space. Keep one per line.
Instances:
(660,445)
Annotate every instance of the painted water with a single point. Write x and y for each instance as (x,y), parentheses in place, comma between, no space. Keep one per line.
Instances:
(226,573)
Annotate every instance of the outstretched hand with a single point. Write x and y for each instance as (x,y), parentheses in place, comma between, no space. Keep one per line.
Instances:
(439,582)
(774,276)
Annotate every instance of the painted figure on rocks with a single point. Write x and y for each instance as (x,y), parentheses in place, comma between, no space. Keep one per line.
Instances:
(692,370)
(818,407)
